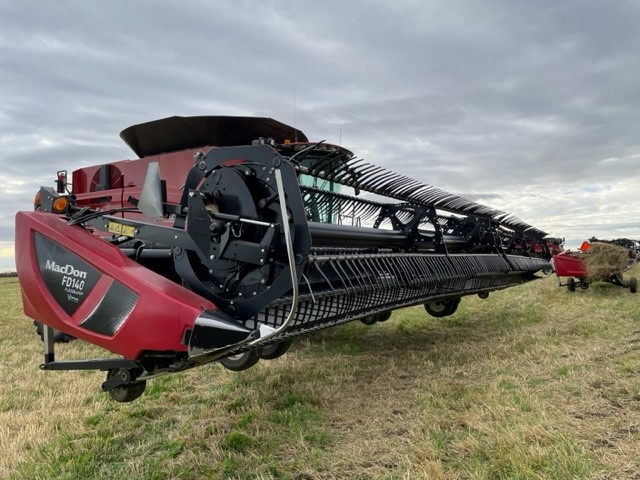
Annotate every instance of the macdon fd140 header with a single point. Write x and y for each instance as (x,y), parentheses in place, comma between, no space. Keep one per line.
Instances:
(230,236)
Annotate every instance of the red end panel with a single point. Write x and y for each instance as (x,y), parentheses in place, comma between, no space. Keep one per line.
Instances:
(126,178)
(568,265)
(75,282)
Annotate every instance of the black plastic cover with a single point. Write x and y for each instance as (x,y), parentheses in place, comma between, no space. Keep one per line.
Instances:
(179,133)
(112,311)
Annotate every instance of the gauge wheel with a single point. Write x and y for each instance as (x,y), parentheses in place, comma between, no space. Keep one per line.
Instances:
(483,295)
(383,316)
(128,392)
(454,306)
(571,284)
(241,361)
(442,308)
(275,350)
(369,319)
(584,284)
(633,285)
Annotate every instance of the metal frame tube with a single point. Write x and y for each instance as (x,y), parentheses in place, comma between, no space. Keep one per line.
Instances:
(286,228)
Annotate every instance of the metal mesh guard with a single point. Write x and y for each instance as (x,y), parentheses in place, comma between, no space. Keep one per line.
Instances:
(337,288)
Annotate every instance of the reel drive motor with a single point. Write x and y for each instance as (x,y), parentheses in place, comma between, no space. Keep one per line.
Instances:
(184,257)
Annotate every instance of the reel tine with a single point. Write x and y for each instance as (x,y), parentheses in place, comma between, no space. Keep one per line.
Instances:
(364,176)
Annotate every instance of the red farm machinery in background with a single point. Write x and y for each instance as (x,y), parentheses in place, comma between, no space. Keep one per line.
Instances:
(575,266)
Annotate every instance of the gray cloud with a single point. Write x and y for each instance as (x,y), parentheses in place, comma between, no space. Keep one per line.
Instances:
(527,106)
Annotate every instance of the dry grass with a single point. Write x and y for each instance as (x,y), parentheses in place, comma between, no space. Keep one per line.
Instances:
(34,409)
(534,382)
(605,259)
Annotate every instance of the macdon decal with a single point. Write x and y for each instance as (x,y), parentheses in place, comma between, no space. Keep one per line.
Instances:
(67,277)
(68,269)
(72,280)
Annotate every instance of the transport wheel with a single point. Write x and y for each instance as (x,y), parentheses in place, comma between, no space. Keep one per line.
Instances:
(571,284)
(58,336)
(369,319)
(483,295)
(633,285)
(383,316)
(128,392)
(275,350)
(241,361)
(437,309)
(454,306)
(584,284)
(442,308)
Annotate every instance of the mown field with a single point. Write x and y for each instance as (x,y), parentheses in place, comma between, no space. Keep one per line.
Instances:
(532,383)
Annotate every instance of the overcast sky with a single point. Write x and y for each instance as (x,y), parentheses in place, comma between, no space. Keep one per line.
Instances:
(528,106)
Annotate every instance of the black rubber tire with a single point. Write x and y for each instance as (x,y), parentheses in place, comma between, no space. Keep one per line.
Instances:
(369,319)
(436,309)
(275,350)
(58,336)
(241,361)
(633,284)
(383,316)
(443,308)
(571,284)
(454,306)
(584,284)
(126,393)
(483,295)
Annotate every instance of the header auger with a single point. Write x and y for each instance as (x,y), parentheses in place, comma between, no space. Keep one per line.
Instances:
(232,235)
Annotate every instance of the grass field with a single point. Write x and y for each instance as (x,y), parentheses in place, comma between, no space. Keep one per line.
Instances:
(532,383)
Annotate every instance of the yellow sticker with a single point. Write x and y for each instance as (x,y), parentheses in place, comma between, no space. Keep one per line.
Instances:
(120,229)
